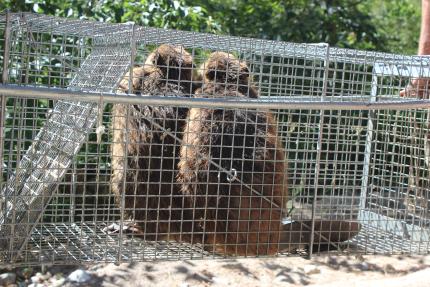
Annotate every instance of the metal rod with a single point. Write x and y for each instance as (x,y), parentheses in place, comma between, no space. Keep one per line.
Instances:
(5,79)
(261,103)
(368,149)
(5,74)
(130,88)
(2,136)
(318,157)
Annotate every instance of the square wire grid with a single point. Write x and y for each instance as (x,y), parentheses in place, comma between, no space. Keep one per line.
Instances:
(355,150)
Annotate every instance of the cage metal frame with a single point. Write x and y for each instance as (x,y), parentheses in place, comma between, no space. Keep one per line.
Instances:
(89,97)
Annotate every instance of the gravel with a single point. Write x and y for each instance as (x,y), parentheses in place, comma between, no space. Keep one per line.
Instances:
(324,271)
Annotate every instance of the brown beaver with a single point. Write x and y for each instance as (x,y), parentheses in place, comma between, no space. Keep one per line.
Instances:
(145,145)
(233,165)
(232,174)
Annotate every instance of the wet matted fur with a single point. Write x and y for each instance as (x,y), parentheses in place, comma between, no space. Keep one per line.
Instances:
(240,215)
(145,148)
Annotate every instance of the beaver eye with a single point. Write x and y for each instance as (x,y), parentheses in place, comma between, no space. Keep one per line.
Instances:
(244,71)
(210,74)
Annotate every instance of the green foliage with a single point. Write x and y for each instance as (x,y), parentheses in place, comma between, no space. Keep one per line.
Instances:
(390,26)
(157,13)
(397,23)
(342,23)
(383,25)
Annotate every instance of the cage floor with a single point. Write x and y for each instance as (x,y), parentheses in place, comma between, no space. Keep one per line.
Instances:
(84,242)
(373,240)
(87,242)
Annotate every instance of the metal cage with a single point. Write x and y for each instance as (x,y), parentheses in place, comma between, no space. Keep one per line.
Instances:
(356,154)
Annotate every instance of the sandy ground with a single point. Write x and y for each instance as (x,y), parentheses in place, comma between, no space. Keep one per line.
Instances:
(325,271)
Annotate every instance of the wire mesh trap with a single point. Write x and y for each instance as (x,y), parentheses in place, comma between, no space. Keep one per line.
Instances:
(127,143)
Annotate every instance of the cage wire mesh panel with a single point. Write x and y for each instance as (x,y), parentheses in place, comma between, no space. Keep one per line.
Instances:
(29,189)
(126,143)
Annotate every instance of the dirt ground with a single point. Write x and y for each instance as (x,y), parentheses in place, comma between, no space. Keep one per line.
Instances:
(324,271)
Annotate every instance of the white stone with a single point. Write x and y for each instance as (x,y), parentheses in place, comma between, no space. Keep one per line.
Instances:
(7,278)
(79,276)
(57,282)
(37,278)
(46,276)
(364,266)
(311,269)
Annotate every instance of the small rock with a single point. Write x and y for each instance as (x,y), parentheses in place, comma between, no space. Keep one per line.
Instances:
(311,269)
(79,276)
(290,277)
(7,278)
(57,282)
(46,276)
(364,266)
(359,257)
(58,276)
(36,278)
(389,269)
